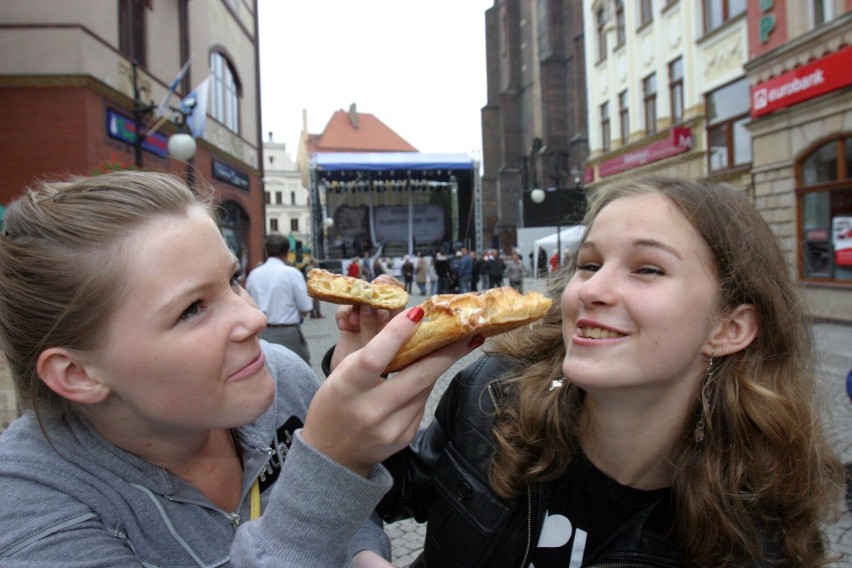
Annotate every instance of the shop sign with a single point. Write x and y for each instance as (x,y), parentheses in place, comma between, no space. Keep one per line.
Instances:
(842,231)
(678,141)
(808,81)
(226,173)
(123,128)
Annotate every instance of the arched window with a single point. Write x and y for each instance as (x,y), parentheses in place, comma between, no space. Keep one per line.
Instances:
(225,92)
(824,196)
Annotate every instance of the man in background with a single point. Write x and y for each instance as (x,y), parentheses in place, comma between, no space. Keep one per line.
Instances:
(280,292)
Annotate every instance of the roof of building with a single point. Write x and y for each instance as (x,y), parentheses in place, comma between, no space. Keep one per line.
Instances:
(354,131)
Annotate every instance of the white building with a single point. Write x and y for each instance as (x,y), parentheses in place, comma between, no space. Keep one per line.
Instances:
(287,200)
(667,91)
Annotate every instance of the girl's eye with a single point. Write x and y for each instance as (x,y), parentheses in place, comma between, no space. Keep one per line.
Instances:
(650,270)
(235,280)
(588,266)
(193,310)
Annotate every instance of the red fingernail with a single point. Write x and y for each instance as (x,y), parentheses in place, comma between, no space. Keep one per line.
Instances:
(415,314)
(476,342)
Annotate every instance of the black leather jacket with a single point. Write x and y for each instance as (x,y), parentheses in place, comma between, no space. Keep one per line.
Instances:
(442,478)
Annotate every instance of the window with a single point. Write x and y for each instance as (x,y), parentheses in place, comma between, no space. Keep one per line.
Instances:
(294,225)
(823,11)
(824,198)
(131,29)
(273,225)
(267,197)
(620,35)
(544,49)
(624,115)
(717,12)
(649,90)
(646,12)
(292,198)
(600,18)
(224,93)
(605,136)
(278,198)
(728,138)
(676,88)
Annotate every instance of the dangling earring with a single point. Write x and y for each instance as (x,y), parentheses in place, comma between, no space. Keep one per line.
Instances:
(698,433)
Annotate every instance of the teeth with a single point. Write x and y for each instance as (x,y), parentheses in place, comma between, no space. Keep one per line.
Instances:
(597,333)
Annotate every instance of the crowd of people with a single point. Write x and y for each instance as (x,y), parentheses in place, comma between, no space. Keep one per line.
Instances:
(663,413)
(446,272)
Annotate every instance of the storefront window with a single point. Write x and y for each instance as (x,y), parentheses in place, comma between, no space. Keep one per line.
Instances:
(727,115)
(825,200)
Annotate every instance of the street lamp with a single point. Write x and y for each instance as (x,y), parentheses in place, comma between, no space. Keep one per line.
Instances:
(538,195)
(327,224)
(181,145)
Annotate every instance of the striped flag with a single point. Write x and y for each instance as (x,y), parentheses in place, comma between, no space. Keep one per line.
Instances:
(164,104)
(194,106)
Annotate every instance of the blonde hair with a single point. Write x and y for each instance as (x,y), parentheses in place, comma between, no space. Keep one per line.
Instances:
(61,265)
(765,466)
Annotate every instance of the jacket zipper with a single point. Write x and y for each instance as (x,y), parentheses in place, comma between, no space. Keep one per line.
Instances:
(529,494)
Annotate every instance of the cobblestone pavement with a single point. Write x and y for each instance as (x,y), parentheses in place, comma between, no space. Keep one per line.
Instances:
(834,343)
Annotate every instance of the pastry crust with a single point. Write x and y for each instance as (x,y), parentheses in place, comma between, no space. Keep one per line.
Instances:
(340,289)
(451,317)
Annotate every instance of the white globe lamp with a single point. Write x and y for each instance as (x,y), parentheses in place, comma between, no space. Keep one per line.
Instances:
(181,146)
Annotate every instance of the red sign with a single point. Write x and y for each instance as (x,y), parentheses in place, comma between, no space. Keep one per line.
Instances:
(808,81)
(678,141)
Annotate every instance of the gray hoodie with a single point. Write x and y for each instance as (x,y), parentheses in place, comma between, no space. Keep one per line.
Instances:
(94,504)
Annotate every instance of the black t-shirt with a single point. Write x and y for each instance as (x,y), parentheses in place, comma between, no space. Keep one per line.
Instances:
(585,512)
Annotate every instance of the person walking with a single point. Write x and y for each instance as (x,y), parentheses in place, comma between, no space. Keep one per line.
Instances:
(280,292)
(515,272)
(408,273)
(465,271)
(475,271)
(420,273)
(496,269)
(316,310)
(432,276)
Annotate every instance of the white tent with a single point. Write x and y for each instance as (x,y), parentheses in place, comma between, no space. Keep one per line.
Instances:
(570,239)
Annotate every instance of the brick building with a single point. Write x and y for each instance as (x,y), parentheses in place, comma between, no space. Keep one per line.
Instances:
(69,89)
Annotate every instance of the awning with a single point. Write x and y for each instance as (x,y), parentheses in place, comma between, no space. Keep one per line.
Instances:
(391,163)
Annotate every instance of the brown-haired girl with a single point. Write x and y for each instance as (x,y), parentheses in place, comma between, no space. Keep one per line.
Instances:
(663,414)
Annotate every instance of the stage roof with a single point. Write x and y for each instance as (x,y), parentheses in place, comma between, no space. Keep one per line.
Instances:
(390,161)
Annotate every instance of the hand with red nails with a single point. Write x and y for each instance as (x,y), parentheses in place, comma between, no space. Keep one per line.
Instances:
(357,418)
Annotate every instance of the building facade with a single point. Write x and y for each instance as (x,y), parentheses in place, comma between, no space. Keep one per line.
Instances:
(287,201)
(667,89)
(801,128)
(534,121)
(77,78)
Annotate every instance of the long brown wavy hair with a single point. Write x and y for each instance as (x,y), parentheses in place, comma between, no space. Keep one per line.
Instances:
(765,468)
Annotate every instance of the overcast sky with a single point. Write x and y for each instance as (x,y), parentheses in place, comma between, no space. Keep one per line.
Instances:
(417,66)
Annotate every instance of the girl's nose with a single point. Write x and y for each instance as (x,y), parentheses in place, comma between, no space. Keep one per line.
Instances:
(598,289)
(250,320)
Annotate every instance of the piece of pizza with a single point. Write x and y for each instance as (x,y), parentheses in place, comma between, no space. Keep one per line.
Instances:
(340,289)
(451,317)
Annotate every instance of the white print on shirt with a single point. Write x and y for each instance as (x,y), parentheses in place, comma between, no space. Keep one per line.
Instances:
(556,531)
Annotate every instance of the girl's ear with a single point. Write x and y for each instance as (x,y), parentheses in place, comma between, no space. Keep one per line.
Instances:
(66,375)
(734,332)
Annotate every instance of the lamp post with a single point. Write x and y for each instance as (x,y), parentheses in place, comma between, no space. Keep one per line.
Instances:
(181,146)
(538,195)
(327,224)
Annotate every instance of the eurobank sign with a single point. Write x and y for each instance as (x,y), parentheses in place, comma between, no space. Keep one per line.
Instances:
(811,80)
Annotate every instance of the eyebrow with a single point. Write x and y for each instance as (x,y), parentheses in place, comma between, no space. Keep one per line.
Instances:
(192,293)
(650,243)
